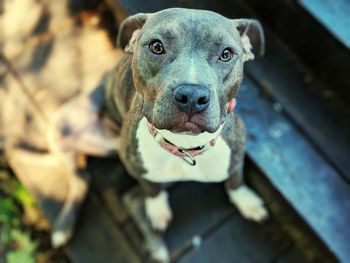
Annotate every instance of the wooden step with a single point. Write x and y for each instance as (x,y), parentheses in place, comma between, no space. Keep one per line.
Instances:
(282,77)
(98,238)
(207,227)
(334,15)
(303,176)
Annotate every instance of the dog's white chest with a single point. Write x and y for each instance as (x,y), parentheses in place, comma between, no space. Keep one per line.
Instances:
(164,167)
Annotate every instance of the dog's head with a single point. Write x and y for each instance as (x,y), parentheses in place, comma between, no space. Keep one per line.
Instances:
(188,64)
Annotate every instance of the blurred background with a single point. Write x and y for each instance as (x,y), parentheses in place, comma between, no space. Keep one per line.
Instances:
(295,102)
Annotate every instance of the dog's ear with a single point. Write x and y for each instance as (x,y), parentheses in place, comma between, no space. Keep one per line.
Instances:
(252,37)
(129,29)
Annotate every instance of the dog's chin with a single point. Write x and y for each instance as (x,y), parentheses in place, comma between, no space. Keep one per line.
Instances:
(187,136)
(181,123)
(187,128)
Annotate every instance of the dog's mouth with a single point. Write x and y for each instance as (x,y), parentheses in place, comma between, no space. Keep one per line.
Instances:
(181,123)
(191,136)
(182,128)
(188,128)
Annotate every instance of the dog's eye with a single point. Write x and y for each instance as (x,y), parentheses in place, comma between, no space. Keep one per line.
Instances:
(226,55)
(157,47)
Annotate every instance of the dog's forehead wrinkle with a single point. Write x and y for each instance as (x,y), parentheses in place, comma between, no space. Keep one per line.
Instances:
(206,37)
(167,33)
(163,33)
(180,23)
(190,14)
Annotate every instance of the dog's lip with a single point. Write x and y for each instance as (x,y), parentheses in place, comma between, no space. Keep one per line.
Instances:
(190,127)
(187,128)
(185,140)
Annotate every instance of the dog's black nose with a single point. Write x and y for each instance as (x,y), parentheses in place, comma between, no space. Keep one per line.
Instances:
(192,99)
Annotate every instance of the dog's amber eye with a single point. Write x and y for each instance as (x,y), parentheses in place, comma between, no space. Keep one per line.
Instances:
(226,55)
(157,47)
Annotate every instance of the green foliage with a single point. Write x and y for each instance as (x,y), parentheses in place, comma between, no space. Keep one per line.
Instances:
(11,187)
(25,248)
(14,235)
(8,211)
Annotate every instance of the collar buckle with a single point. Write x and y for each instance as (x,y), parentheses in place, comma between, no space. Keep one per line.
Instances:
(188,157)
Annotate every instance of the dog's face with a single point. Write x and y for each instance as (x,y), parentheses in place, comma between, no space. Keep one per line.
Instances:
(188,64)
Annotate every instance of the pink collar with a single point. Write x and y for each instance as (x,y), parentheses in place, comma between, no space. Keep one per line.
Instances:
(186,154)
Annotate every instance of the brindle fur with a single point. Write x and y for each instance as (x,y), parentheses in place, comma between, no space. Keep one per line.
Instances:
(151,85)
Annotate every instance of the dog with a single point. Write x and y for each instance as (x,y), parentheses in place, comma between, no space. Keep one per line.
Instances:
(167,109)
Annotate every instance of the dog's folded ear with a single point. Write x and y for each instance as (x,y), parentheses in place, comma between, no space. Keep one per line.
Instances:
(252,36)
(129,29)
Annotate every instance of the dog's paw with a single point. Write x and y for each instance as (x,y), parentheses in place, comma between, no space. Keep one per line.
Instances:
(250,205)
(160,255)
(158,211)
(63,227)
(59,238)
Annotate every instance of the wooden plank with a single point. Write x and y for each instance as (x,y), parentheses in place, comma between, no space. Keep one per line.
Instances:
(240,241)
(297,170)
(305,241)
(326,58)
(197,209)
(280,75)
(135,237)
(114,205)
(292,255)
(98,239)
(334,15)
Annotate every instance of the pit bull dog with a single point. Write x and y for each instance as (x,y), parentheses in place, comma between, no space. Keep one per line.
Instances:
(167,109)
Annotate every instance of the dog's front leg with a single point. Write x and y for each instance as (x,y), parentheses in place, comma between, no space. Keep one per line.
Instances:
(156,205)
(158,216)
(249,204)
